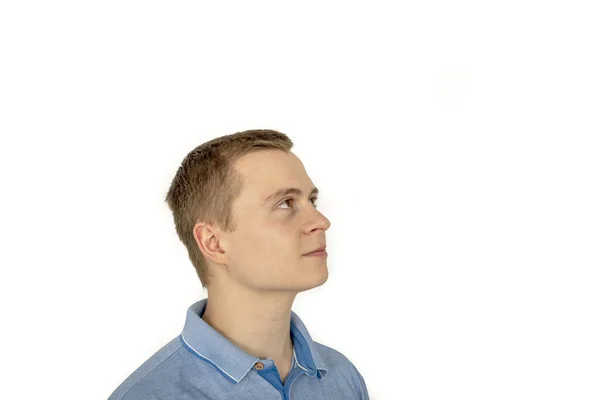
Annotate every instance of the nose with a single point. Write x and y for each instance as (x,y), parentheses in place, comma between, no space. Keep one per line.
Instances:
(320,221)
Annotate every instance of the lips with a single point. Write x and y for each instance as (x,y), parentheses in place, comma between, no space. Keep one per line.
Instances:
(315,250)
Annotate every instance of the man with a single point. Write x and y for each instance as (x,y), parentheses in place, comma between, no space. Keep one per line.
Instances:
(246,211)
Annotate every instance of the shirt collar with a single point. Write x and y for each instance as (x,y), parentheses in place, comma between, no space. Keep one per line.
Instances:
(234,363)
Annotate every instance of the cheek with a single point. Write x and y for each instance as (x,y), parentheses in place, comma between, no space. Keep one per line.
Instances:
(271,241)
(260,243)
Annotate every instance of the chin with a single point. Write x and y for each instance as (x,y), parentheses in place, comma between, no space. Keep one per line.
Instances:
(314,280)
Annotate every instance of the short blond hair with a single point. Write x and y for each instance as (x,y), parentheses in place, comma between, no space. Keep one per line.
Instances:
(206,185)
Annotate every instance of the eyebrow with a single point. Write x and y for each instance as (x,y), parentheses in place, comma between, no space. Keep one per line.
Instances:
(285,191)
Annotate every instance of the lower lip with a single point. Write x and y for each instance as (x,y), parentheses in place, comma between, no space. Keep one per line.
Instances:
(317,254)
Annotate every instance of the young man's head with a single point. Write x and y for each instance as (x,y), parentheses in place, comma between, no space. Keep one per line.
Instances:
(235,233)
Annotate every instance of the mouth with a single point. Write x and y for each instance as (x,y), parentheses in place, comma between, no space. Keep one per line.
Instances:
(317,252)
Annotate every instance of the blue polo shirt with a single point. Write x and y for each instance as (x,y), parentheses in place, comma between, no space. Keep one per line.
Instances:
(200,363)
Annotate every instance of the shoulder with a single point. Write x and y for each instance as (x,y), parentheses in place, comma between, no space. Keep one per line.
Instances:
(151,373)
(335,359)
(332,356)
(342,368)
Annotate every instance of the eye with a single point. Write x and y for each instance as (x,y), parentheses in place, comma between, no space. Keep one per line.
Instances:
(314,199)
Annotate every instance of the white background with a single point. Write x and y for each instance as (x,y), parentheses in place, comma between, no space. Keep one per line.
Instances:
(455,145)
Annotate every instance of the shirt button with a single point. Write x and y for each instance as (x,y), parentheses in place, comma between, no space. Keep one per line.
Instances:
(259,365)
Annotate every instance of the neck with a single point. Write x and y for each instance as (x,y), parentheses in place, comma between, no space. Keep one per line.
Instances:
(257,323)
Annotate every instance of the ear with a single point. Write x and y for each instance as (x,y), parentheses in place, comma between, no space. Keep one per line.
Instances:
(208,240)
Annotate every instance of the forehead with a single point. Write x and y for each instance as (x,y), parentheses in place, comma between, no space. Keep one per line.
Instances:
(266,171)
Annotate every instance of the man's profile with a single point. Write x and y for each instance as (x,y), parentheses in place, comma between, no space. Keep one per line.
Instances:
(245,209)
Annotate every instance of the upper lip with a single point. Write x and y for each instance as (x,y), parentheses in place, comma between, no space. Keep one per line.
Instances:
(321,248)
